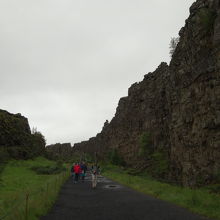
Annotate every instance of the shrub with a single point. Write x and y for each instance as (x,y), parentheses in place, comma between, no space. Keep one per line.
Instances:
(48,170)
(214,188)
(19,152)
(115,158)
(216,176)
(88,158)
(146,145)
(4,157)
(38,144)
(160,164)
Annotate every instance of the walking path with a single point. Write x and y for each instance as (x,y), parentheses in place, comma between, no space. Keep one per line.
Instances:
(111,201)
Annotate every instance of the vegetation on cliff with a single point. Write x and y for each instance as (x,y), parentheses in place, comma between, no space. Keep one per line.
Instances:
(116,158)
(16,139)
(28,186)
(177,105)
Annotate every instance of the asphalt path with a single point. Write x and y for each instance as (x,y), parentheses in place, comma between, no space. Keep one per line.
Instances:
(111,201)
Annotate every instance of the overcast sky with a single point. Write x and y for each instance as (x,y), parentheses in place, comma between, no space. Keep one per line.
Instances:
(64,64)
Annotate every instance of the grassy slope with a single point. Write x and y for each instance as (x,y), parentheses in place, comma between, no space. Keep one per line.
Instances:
(18,181)
(197,200)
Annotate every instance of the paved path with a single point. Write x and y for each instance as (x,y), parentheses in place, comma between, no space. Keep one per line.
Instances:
(111,201)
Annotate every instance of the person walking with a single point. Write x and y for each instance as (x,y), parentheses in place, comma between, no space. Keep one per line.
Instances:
(94,172)
(77,171)
(72,171)
(84,169)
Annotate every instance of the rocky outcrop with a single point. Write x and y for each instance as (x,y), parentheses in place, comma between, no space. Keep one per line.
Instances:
(16,139)
(194,96)
(178,105)
(59,151)
(14,129)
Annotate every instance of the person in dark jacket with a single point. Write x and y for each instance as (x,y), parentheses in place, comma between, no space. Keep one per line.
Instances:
(84,169)
(72,171)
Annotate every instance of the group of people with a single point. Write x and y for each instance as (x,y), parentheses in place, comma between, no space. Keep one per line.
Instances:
(79,170)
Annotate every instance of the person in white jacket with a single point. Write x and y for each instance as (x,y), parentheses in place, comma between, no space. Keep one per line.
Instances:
(95,171)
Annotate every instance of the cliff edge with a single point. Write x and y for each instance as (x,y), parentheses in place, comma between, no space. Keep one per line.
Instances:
(169,124)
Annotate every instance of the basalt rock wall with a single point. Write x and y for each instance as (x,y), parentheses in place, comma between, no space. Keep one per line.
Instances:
(14,129)
(59,151)
(178,105)
(16,139)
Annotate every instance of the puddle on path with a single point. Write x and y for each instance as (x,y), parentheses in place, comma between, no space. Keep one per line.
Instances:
(112,186)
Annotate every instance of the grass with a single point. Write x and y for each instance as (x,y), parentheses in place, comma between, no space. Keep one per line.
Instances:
(20,183)
(199,201)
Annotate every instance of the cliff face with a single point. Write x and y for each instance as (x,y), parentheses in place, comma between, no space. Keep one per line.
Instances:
(59,151)
(178,105)
(16,139)
(194,96)
(14,129)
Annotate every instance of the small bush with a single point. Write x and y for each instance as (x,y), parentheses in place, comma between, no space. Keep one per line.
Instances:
(146,145)
(38,144)
(48,170)
(4,157)
(18,152)
(133,172)
(200,180)
(157,158)
(215,188)
(115,158)
(216,176)
(160,164)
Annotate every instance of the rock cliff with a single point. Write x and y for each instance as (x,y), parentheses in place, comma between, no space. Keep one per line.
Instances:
(59,151)
(16,139)
(177,106)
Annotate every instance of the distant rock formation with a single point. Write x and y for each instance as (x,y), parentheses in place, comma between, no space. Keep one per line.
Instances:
(177,106)
(59,151)
(16,139)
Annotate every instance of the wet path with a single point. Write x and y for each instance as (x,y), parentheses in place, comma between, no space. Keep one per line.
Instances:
(111,201)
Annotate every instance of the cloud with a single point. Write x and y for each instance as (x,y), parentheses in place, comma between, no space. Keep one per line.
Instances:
(65,64)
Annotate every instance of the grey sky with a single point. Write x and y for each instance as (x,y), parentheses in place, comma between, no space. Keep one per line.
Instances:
(64,64)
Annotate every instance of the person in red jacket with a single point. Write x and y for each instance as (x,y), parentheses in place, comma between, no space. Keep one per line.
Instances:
(77,171)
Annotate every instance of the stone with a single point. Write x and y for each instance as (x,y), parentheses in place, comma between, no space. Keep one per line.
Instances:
(177,104)
(59,151)
(16,137)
